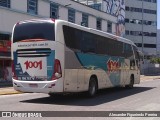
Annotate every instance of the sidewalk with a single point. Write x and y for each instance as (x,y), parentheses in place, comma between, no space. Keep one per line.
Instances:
(7,90)
(149,77)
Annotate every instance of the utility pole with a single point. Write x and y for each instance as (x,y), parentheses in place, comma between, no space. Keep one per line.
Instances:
(143,37)
(142,28)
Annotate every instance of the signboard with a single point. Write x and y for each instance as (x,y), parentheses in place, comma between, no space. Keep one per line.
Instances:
(5,46)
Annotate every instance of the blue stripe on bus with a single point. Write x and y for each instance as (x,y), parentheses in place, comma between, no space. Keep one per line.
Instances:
(93,61)
(50,64)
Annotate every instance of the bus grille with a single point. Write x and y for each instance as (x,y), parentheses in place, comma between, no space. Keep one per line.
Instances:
(41,52)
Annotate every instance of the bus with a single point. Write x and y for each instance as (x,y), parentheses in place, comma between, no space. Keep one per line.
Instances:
(57,57)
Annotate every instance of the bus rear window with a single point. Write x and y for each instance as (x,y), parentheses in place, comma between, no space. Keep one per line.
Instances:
(34,31)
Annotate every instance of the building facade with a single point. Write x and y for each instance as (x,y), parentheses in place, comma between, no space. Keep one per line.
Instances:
(59,9)
(115,8)
(158,42)
(12,11)
(141,24)
(136,20)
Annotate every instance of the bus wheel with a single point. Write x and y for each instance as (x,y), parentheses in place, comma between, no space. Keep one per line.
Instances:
(92,90)
(131,82)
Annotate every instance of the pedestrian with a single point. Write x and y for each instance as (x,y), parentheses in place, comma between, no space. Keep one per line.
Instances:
(6,73)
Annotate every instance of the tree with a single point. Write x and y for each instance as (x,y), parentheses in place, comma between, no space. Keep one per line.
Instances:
(155,60)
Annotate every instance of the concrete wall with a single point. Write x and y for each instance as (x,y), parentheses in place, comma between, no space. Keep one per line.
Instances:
(150,69)
(18,12)
(9,18)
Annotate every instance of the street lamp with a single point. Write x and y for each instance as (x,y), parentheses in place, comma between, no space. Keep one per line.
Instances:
(142,38)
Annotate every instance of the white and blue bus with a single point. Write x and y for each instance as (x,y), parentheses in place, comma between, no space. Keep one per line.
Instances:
(56,56)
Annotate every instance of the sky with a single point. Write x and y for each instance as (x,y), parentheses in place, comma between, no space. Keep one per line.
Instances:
(158,14)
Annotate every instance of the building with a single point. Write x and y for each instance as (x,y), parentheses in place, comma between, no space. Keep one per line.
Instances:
(12,11)
(136,20)
(115,8)
(141,24)
(158,42)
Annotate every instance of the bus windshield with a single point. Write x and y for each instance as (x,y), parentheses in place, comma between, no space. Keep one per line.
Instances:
(28,31)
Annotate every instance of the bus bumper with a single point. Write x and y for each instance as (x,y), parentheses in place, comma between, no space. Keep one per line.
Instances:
(36,86)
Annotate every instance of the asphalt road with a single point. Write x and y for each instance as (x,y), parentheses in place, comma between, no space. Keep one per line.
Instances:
(143,97)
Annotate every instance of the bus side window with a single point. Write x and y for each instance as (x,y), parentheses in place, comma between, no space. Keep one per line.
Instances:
(72,37)
(128,54)
(137,57)
(88,43)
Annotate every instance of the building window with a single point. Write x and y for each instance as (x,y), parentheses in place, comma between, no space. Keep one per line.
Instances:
(127,8)
(109,27)
(5,3)
(154,1)
(84,20)
(127,32)
(4,36)
(99,23)
(140,33)
(145,22)
(150,45)
(54,11)
(96,6)
(133,9)
(32,6)
(71,15)
(127,20)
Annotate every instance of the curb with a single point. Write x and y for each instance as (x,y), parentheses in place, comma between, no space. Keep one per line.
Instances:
(149,77)
(10,93)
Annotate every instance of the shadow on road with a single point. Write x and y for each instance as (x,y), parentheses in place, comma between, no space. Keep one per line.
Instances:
(79,99)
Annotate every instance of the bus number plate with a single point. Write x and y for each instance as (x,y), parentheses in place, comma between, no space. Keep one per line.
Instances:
(33,85)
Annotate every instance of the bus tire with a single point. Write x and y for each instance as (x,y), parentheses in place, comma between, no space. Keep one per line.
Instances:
(131,84)
(92,89)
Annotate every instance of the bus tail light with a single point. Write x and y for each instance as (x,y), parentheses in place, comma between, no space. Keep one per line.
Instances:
(57,70)
(13,71)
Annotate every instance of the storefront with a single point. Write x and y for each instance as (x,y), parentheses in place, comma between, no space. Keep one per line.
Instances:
(5,69)
(5,58)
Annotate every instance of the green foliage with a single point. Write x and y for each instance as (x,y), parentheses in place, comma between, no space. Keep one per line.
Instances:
(155,60)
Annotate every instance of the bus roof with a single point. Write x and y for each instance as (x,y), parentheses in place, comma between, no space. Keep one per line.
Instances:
(37,20)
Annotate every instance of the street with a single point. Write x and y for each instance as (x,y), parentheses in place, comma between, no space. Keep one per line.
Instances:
(143,97)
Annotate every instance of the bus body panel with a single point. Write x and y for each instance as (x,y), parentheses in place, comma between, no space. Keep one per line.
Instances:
(35,73)
(90,64)
(77,66)
(34,86)
(87,63)
(28,60)
(46,71)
